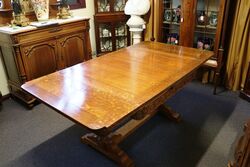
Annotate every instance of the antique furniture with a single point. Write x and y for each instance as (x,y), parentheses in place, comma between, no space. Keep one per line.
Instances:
(110,26)
(196,23)
(242,151)
(32,52)
(245,93)
(114,94)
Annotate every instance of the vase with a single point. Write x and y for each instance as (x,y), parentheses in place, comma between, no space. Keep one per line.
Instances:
(41,9)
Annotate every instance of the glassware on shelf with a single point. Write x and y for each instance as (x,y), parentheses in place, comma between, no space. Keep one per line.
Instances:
(121,30)
(177,14)
(201,18)
(205,43)
(168,15)
(173,38)
(121,43)
(104,31)
(106,45)
(213,19)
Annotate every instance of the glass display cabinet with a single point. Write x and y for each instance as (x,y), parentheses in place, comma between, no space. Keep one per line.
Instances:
(110,26)
(196,23)
(206,24)
(171,21)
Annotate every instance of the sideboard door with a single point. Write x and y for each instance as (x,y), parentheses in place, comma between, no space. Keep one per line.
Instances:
(40,59)
(72,49)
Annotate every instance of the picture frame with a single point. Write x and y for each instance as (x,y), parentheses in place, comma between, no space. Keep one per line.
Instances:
(76,4)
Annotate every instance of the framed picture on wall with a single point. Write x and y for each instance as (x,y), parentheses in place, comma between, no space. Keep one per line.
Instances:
(76,4)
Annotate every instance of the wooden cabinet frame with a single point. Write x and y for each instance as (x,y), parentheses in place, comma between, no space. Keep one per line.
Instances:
(32,54)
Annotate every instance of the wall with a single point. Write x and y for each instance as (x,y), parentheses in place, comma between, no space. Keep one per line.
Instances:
(87,12)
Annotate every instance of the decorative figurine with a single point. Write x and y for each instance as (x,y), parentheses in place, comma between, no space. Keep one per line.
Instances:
(19,18)
(168,15)
(213,19)
(64,10)
(177,14)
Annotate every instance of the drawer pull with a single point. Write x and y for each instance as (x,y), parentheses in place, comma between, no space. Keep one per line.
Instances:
(55,30)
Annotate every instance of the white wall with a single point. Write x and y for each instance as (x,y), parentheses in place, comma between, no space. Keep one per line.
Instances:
(88,12)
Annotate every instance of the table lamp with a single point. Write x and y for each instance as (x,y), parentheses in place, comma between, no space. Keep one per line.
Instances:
(136,8)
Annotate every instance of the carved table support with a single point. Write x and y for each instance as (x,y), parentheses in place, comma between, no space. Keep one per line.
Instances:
(170,113)
(108,145)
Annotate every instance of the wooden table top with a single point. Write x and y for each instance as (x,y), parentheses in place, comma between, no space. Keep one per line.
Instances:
(104,90)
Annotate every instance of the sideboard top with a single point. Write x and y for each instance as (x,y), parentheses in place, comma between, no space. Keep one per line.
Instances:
(34,25)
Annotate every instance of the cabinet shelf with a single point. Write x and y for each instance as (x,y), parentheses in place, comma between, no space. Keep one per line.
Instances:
(105,37)
(6,10)
(206,26)
(205,32)
(121,36)
(171,23)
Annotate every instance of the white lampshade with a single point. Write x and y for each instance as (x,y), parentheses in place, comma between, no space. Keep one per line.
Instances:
(137,7)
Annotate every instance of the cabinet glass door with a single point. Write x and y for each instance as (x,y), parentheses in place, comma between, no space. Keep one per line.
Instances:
(206,24)
(103,6)
(171,21)
(119,5)
(121,36)
(105,34)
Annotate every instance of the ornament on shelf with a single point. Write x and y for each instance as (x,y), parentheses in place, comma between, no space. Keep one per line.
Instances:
(41,9)
(202,18)
(19,18)
(213,19)
(64,10)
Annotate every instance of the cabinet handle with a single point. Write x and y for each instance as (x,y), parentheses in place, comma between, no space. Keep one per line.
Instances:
(55,30)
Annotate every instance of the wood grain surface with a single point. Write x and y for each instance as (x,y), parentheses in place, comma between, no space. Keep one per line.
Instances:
(101,92)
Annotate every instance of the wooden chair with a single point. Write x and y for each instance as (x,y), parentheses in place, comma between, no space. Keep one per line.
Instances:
(215,64)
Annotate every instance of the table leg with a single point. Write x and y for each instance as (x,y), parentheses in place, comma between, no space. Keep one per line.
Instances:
(108,145)
(170,113)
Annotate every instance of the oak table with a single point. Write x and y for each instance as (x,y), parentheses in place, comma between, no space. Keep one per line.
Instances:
(114,94)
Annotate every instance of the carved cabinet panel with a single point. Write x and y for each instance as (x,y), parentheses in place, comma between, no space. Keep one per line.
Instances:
(37,56)
(72,50)
(35,53)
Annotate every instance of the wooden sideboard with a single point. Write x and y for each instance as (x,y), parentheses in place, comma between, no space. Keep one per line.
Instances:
(242,152)
(40,51)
